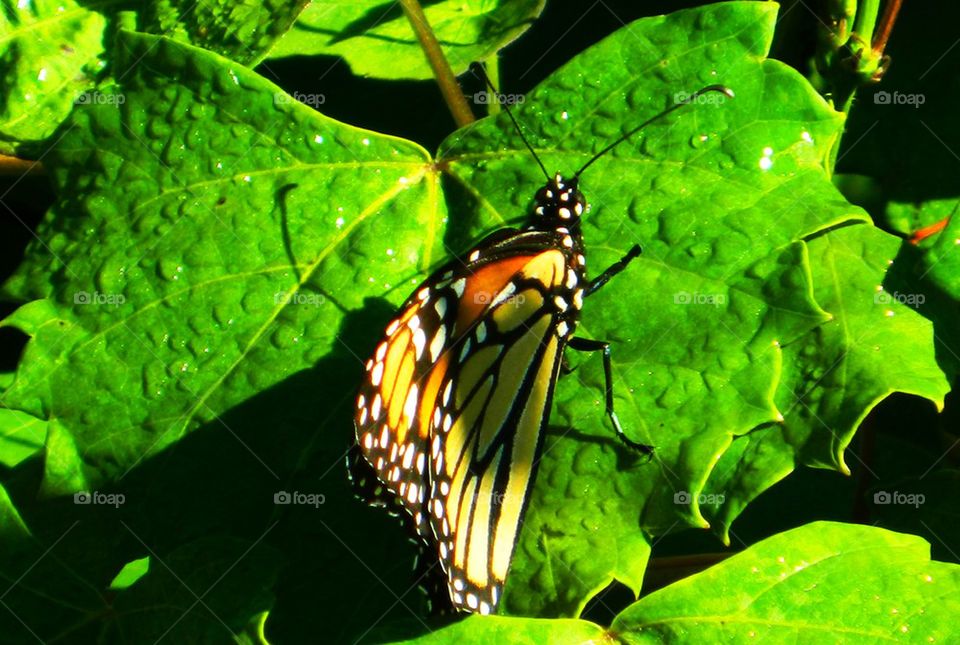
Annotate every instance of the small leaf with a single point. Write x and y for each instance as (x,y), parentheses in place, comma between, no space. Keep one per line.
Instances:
(204,591)
(52,51)
(130,573)
(55,53)
(942,259)
(240,31)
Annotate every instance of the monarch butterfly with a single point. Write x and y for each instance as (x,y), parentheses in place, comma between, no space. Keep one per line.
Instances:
(454,401)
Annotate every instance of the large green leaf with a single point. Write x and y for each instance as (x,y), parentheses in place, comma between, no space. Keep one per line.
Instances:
(874,345)
(192,301)
(54,53)
(823,582)
(375,37)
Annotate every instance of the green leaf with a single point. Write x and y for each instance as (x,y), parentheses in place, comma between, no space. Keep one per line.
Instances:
(130,573)
(942,259)
(51,52)
(12,528)
(908,218)
(719,197)
(874,345)
(148,345)
(823,582)
(375,37)
(522,631)
(55,53)
(242,31)
(21,435)
(179,600)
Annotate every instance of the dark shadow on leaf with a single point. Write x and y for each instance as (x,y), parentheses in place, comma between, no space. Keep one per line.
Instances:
(335,566)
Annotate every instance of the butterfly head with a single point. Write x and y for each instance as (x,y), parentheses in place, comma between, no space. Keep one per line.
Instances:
(559,203)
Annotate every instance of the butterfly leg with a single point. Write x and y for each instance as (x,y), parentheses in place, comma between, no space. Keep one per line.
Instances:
(589,345)
(612,270)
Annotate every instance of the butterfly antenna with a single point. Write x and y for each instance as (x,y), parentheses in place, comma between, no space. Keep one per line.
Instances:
(722,89)
(478,68)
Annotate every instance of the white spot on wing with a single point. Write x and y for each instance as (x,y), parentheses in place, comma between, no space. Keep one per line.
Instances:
(419,340)
(410,406)
(505,293)
(446,393)
(436,345)
(384,435)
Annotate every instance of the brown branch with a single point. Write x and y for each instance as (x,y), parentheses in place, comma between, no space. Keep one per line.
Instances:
(14,166)
(890,11)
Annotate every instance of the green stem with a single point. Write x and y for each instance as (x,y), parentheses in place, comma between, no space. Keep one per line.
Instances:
(442,72)
(492,66)
(866,19)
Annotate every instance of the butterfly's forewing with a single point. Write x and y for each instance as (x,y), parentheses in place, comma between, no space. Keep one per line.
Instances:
(463,383)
